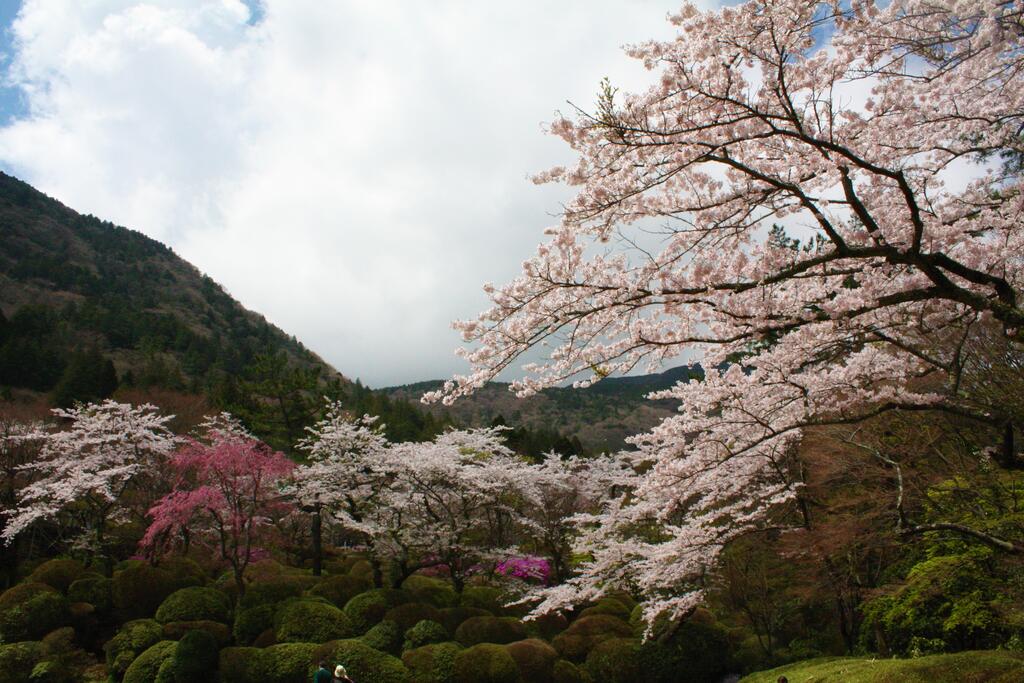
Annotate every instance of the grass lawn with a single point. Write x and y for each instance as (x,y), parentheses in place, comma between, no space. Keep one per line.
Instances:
(988,666)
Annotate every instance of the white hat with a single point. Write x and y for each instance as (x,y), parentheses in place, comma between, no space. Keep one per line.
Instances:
(339,671)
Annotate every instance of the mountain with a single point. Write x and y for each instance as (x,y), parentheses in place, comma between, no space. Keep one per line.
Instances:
(600,416)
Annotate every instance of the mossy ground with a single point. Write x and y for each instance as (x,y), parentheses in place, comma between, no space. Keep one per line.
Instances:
(988,666)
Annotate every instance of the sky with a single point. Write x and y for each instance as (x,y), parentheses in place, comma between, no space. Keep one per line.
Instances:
(354,171)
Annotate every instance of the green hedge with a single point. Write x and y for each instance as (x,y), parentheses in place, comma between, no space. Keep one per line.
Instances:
(195,659)
(363,663)
(490,630)
(155,665)
(586,632)
(134,638)
(411,613)
(271,592)
(534,658)
(452,617)
(424,633)
(617,660)
(29,611)
(608,606)
(369,608)
(433,663)
(59,573)
(340,589)
(250,623)
(176,630)
(385,636)
(483,597)
(95,590)
(139,589)
(194,604)
(565,671)
(436,592)
(284,663)
(18,659)
(485,663)
(310,621)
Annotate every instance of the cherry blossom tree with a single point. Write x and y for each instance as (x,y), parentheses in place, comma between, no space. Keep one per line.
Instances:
(848,125)
(227,494)
(343,478)
(84,473)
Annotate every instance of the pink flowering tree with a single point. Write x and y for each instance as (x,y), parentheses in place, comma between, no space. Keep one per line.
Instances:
(343,480)
(829,193)
(227,495)
(84,474)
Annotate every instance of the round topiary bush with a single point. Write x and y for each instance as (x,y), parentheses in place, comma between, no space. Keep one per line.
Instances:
(547,626)
(185,568)
(195,659)
(385,636)
(176,630)
(699,650)
(534,658)
(242,665)
(194,604)
(340,589)
(288,663)
(18,659)
(367,609)
(29,611)
(432,663)
(483,597)
(452,617)
(608,606)
(424,633)
(59,573)
(250,623)
(310,621)
(490,630)
(155,665)
(565,671)
(485,663)
(436,592)
(95,590)
(362,569)
(363,662)
(139,589)
(270,592)
(617,660)
(411,613)
(583,634)
(134,638)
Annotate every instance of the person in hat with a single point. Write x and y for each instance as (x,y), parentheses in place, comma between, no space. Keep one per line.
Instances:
(340,675)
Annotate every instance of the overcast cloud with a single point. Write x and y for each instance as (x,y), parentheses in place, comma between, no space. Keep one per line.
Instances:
(354,171)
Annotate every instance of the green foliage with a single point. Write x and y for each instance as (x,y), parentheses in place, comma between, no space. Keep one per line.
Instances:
(88,377)
(97,591)
(309,621)
(483,597)
(411,613)
(534,658)
(548,625)
(194,604)
(195,659)
(432,663)
(271,592)
(250,623)
(996,666)
(59,573)
(138,590)
(385,636)
(367,609)
(609,606)
(452,617)
(176,630)
(339,589)
(436,592)
(154,665)
(617,660)
(485,663)
(18,659)
(490,630)
(284,663)
(565,671)
(133,639)
(31,610)
(362,662)
(576,642)
(423,633)
(948,602)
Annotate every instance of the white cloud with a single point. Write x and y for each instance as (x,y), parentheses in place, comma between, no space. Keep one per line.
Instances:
(354,171)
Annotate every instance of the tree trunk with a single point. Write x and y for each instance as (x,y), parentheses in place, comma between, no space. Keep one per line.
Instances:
(316,531)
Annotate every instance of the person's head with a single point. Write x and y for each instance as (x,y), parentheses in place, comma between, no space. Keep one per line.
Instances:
(323,664)
(782,679)
(339,671)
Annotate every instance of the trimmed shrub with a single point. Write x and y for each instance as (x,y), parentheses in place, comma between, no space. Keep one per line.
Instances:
(452,617)
(265,639)
(483,597)
(31,610)
(186,568)
(424,633)
(241,665)
(699,650)
(139,590)
(250,623)
(436,592)
(622,596)
(485,663)
(60,641)
(565,671)
(490,630)
(270,593)
(17,661)
(617,660)
(176,630)
(310,621)
(58,573)
(367,609)
(284,663)
(134,638)
(48,672)
(432,663)
(362,570)
(385,636)
(411,613)
(194,604)
(363,662)
(547,626)
(583,634)
(608,606)
(534,658)
(340,589)
(155,665)
(95,590)
(195,659)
